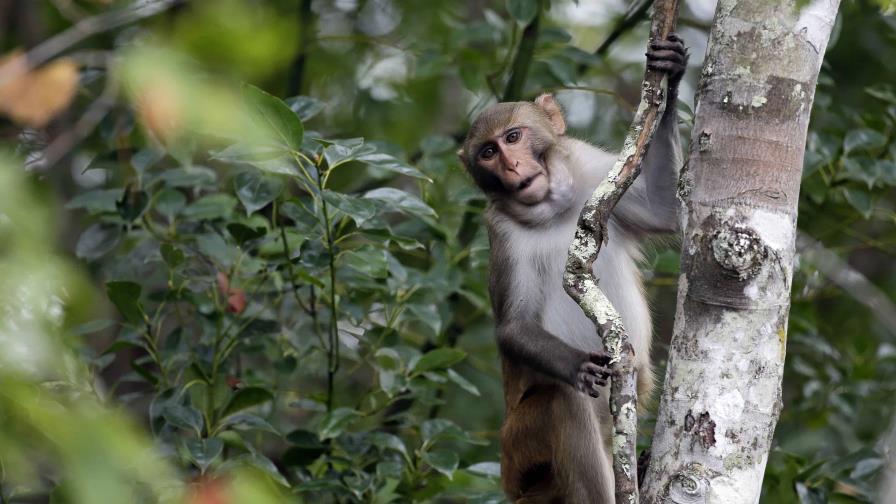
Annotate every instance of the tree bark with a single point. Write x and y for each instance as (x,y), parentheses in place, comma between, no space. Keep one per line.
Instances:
(722,392)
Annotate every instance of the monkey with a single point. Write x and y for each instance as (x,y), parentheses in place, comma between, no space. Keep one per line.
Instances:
(554,438)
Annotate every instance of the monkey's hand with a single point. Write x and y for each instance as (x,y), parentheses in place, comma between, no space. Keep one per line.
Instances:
(671,57)
(593,373)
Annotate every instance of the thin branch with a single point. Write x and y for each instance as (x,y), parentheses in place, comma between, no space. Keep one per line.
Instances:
(519,70)
(852,281)
(636,12)
(81,30)
(579,280)
(88,122)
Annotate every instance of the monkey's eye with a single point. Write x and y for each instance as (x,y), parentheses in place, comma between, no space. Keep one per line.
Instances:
(513,136)
(488,152)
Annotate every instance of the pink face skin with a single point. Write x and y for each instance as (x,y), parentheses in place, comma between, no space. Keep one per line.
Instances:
(509,156)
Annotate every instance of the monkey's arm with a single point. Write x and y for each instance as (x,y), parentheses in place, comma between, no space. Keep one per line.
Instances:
(517,302)
(650,204)
(528,343)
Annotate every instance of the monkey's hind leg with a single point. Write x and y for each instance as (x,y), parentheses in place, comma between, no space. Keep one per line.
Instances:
(583,468)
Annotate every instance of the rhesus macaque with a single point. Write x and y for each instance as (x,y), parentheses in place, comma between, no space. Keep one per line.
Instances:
(555,437)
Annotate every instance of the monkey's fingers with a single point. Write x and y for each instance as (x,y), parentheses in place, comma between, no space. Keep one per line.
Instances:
(587,384)
(674,69)
(600,358)
(666,55)
(676,46)
(597,374)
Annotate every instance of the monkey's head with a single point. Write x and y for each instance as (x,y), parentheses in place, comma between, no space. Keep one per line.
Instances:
(507,147)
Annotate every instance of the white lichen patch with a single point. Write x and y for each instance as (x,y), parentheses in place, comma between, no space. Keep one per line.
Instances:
(728,407)
(774,227)
(758,101)
(736,484)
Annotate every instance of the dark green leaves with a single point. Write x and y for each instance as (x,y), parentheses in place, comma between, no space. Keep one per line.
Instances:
(523,11)
(438,359)
(256,190)
(97,240)
(282,126)
(246,398)
(126,297)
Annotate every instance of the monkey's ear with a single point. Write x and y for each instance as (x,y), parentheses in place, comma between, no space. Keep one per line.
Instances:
(460,155)
(555,115)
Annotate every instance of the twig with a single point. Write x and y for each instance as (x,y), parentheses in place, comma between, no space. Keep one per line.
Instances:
(81,30)
(69,10)
(85,125)
(849,279)
(633,15)
(579,280)
(513,91)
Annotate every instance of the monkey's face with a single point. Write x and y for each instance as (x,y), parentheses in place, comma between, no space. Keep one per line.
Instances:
(507,148)
(515,157)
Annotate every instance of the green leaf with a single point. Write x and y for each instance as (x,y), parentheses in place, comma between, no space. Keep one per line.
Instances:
(335,422)
(97,241)
(358,209)
(169,202)
(146,158)
(401,201)
(185,417)
(256,190)
(860,169)
(443,461)
(441,428)
(248,421)
(860,200)
(386,441)
(388,359)
(863,139)
(462,382)
(96,201)
(172,255)
(369,260)
(260,462)
(132,204)
(282,124)
(243,233)
(389,163)
(427,314)
(265,158)
(91,327)
(204,451)
(126,297)
(345,151)
(191,177)
(213,206)
(439,358)
(246,398)
(305,106)
(213,246)
(487,469)
(523,11)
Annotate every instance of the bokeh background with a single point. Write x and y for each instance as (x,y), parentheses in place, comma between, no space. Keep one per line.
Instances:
(240,262)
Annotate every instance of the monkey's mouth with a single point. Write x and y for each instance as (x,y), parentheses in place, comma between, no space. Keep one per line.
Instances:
(527,182)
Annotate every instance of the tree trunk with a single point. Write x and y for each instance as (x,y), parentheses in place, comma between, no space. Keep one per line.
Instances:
(722,392)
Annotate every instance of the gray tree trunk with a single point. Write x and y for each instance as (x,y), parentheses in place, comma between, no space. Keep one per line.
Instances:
(722,392)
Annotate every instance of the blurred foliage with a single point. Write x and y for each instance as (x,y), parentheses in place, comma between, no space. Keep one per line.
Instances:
(215,294)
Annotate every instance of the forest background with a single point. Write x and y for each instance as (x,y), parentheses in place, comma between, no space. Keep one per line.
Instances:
(240,260)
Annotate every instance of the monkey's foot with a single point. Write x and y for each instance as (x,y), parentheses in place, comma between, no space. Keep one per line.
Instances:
(594,373)
(669,56)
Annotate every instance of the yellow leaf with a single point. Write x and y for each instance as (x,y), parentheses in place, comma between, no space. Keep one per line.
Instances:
(33,98)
